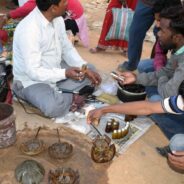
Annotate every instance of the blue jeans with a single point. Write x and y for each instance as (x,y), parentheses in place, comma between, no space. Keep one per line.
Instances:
(142,21)
(152,94)
(170,124)
(146,66)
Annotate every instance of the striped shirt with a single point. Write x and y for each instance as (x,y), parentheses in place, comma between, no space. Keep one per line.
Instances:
(173,105)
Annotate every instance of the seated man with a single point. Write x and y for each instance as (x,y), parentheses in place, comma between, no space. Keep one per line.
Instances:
(165,82)
(173,105)
(40,48)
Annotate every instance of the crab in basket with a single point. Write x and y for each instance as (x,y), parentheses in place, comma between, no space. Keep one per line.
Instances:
(102,150)
(64,176)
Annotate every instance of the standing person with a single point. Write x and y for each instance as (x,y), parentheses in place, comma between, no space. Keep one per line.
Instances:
(104,44)
(77,22)
(142,21)
(43,55)
(23,10)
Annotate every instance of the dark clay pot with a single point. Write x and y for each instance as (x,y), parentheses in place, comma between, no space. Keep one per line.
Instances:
(131,92)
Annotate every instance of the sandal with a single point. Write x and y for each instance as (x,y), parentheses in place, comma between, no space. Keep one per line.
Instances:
(96,50)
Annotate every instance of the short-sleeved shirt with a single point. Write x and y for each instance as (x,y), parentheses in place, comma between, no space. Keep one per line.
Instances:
(173,105)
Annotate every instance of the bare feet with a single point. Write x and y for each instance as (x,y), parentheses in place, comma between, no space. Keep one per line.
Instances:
(96,50)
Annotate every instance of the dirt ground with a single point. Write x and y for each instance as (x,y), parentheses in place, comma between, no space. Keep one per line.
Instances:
(140,163)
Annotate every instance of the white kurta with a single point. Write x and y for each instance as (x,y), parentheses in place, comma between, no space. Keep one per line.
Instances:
(39,46)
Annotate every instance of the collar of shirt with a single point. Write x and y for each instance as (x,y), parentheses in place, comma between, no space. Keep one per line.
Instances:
(179,51)
(42,18)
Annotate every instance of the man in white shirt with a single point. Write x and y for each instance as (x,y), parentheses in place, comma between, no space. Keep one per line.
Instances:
(40,47)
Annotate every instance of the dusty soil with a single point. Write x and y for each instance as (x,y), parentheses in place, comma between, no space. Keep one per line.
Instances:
(80,160)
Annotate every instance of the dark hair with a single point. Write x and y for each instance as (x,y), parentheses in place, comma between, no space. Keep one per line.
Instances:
(176,15)
(181,89)
(44,5)
(160,5)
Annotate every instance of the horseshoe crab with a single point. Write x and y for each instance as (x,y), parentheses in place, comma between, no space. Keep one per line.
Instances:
(33,146)
(102,151)
(29,172)
(63,176)
(60,150)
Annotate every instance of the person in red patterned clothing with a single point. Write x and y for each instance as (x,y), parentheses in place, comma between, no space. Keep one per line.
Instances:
(104,44)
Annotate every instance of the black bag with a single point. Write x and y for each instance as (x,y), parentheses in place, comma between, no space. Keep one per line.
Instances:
(3,83)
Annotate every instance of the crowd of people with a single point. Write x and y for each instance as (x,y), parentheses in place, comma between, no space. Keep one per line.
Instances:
(43,55)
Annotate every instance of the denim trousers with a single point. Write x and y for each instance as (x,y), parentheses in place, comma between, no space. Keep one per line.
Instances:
(142,21)
(145,66)
(170,124)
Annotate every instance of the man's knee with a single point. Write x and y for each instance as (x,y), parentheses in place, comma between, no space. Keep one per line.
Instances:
(50,102)
(177,142)
(58,107)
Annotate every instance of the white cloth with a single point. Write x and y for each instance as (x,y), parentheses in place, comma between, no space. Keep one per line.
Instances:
(22,2)
(39,46)
(173,105)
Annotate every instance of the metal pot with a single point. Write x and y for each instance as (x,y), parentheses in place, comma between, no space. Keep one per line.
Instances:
(126,92)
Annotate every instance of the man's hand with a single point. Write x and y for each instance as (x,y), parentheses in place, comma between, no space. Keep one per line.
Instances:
(93,76)
(130,77)
(177,159)
(74,73)
(94,116)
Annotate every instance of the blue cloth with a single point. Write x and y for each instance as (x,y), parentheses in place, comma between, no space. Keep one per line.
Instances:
(152,94)
(146,66)
(142,21)
(170,124)
(174,106)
